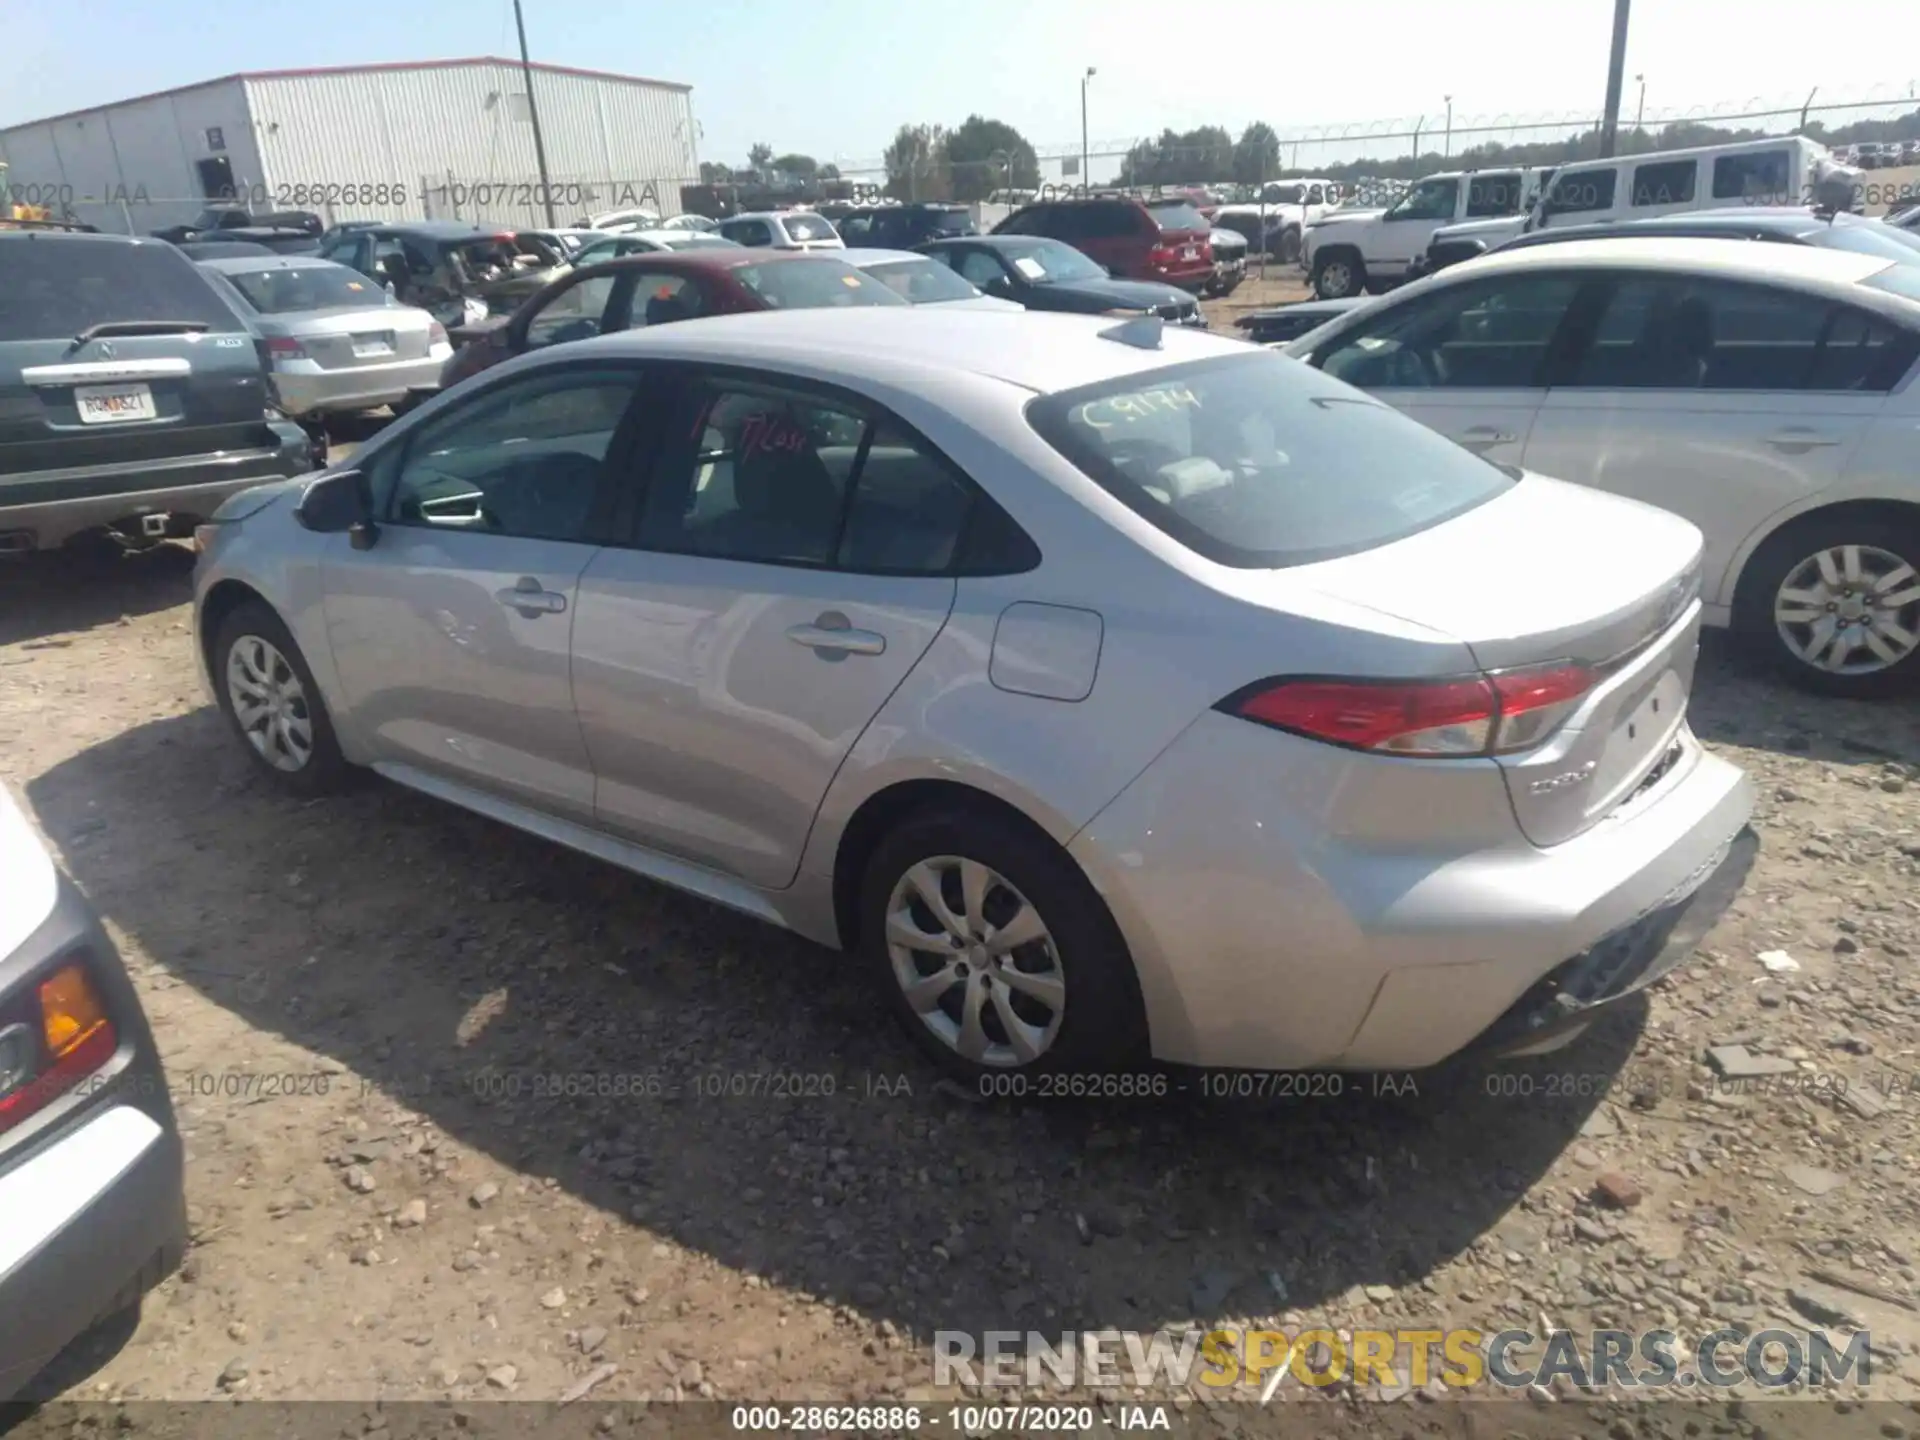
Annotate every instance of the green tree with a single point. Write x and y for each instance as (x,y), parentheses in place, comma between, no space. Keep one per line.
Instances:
(829,171)
(1256,154)
(798,167)
(986,155)
(916,164)
(760,157)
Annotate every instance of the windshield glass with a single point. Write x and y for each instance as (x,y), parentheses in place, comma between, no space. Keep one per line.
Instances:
(1429,200)
(699,240)
(921,282)
(1176,215)
(1256,461)
(950,222)
(57,286)
(319,286)
(809,227)
(1871,238)
(813,284)
(1041,262)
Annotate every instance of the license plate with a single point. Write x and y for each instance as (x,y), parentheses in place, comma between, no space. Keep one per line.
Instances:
(1192,252)
(372,349)
(114,404)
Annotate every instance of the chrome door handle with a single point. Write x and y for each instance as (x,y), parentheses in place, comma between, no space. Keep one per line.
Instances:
(1801,440)
(529,597)
(838,640)
(1486,435)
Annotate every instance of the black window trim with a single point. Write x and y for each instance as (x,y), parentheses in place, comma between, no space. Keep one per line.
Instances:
(630,447)
(1633,183)
(679,378)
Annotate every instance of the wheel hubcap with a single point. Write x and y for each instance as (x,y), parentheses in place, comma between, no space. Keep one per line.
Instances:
(975,961)
(270,703)
(1850,610)
(1335,278)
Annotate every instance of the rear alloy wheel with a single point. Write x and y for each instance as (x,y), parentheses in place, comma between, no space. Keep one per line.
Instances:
(995,952)
(269,696)
(1841,611)
(1338,276)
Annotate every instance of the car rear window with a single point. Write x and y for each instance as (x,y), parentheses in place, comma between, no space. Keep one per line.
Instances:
(813,284)
(57,286)
(1901,280)
(922,282)
(809,227)
(1176,215)
(1258,462)
(1872,237)
(320,286)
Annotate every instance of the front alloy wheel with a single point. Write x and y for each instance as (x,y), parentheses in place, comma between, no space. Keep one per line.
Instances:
(1849,611)
(270,704)
(975,961)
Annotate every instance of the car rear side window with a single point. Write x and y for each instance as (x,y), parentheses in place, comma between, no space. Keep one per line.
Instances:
(1681,333)
(1580,190)
(1497,193)
(808,227)
(1761,175)
(1491,334)
(56,286)
(1256,461)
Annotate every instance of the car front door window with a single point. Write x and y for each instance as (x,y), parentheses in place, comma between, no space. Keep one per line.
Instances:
(574,313)
(1492,334)
(1429,200)
(525,459)
(979,267)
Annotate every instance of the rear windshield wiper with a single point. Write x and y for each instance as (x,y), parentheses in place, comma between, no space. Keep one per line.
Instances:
(141,327)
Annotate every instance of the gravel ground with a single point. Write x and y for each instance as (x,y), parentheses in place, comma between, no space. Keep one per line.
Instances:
(360,1002)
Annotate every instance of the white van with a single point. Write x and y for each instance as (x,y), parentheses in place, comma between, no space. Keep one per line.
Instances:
(1781,171)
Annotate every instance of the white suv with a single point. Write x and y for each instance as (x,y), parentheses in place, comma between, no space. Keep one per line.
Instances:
(1351,251)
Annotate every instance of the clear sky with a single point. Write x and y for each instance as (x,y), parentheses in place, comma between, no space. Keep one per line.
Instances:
(835,78)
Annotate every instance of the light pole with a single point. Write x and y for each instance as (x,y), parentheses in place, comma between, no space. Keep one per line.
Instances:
(533,114)
(1616,64)
(1086,180)
(1446,147)
(1640,111)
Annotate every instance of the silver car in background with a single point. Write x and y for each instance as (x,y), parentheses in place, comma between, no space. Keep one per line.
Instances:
(922,280)
(1114,691)
(337,342)
(643,242)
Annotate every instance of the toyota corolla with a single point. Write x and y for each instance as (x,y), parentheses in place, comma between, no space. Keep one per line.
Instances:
(1110,690)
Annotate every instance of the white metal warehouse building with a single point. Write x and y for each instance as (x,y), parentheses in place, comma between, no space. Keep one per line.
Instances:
(444,139)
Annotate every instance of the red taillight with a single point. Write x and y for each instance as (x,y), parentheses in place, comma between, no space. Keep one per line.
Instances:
(436,334)
(1462,716)
(63,1039)
(1162,255)
(285,347)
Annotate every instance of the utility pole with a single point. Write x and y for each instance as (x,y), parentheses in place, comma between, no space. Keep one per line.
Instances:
(1616,72)
(1086,177)
(1640,111)
(533,114)
(1447,148)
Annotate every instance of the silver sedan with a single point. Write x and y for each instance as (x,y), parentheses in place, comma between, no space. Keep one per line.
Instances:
(1112,692)
(337,341)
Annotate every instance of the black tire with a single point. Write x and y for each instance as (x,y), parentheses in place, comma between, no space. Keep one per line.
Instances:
(1776,562)
(1102,1022)
(325,770)
(1289,247)
(1337,274)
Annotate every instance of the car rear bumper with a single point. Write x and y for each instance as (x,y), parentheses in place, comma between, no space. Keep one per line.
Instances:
(313,391)
(1289,905)
(92,1205)
(65,503)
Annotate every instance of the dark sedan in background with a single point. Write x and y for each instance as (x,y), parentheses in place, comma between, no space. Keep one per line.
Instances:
(1046,274)
(656,289)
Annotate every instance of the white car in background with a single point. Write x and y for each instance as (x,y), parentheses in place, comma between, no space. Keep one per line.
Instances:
(782,230)
(1768,393)
(623,220)
(691,222)
(640,242)
(1276,220)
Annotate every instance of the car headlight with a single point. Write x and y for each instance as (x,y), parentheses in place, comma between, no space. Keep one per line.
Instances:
(1125,314)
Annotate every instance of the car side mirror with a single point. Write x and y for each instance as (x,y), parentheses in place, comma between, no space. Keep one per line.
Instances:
(340,503)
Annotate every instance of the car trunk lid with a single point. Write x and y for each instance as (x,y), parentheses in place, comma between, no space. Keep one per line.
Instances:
(1546,574)
(350,337)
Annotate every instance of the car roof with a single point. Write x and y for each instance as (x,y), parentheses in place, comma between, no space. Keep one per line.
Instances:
(773,215)
(238,264)
(874,345)
(858,255)
(94,237)
(445,230)
(1806,264)
(716,257)
(995,242)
